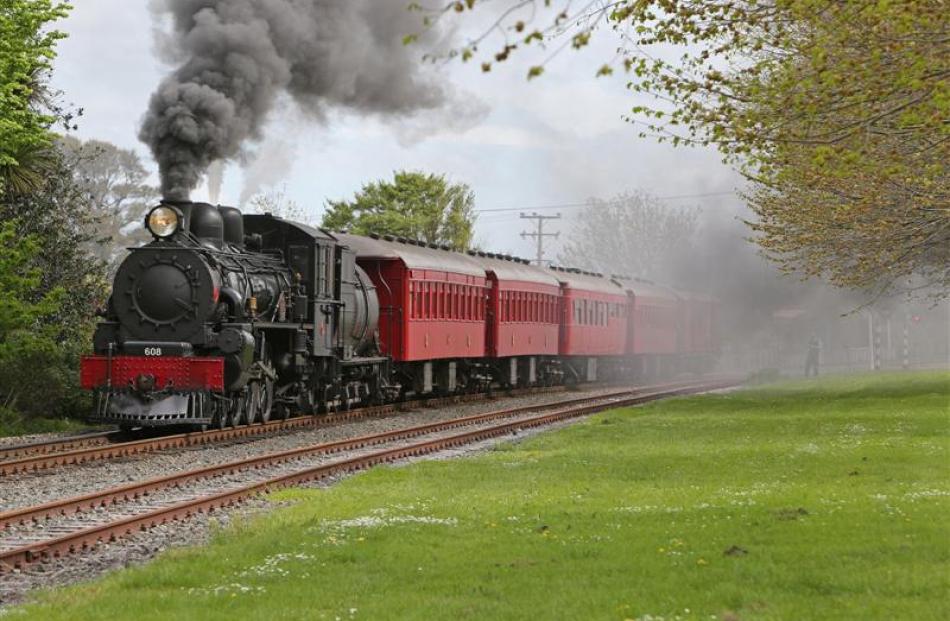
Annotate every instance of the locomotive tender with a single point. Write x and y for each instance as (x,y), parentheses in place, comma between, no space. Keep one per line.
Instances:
(227,319)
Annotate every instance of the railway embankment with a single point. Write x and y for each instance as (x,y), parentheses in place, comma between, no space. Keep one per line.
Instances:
(818,499)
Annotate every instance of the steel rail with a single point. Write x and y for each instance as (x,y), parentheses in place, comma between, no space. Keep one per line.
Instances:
(91,536)
(42,447)
(77,453)
(136,490)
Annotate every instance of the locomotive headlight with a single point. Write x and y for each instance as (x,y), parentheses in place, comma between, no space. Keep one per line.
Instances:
(163,221)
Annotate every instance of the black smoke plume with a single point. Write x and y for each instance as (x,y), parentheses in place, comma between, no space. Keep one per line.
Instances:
(237,56)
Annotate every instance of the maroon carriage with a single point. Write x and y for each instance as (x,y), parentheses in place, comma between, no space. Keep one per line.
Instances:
(432,308)
(593,320)
(523,319)
(698,330)
(652,327)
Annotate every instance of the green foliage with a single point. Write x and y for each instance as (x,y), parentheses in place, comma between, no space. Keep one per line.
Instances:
(27,336)
(12,423)
(53,285)
(813,500)
(837,112)
(26,54)
(49,280)
(414,205)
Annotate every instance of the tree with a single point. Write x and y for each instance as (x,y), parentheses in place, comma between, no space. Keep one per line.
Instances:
(277,203)
(25,330)
(49,280)
(630,235)
(116,186)
(414,205)
(57,223)
(840,107)
(26,113)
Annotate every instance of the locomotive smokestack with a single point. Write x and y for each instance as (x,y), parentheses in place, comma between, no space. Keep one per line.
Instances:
(237,56)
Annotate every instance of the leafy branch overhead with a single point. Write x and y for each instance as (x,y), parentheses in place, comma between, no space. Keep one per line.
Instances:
(837,112)
(27,50)
(50,221)
(413,205)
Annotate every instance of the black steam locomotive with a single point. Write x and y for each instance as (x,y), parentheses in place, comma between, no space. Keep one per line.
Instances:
(227,319)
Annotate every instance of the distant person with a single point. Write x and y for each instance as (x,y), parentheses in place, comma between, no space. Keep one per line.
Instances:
(814,353)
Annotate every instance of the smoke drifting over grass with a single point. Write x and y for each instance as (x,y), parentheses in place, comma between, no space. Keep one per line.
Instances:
(236,57)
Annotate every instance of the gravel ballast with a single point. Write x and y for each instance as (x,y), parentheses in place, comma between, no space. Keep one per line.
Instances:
(44,486)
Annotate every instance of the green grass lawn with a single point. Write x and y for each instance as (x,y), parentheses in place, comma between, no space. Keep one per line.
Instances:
(13,424)
(825,499)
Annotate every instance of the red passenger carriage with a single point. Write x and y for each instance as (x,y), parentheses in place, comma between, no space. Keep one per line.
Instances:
(524,304)
(652,327)
(593,319)
(432,306)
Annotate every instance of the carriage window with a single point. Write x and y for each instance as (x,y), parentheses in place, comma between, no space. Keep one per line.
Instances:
(430,300)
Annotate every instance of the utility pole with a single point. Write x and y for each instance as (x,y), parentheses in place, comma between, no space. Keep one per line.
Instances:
(540,234)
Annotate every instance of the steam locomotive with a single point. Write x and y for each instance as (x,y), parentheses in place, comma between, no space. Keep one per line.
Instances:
(227,318)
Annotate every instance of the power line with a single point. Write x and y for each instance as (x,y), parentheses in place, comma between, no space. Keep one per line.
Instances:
(585,204)
(540,234)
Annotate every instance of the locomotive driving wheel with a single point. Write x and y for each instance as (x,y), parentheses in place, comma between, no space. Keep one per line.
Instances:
(260,401)
(239,410)
(220,419)
(252,403)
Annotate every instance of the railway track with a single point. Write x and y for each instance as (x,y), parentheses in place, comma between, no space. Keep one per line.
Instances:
(98,446)
(75,524)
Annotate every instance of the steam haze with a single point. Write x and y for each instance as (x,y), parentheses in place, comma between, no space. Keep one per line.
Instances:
(237,57)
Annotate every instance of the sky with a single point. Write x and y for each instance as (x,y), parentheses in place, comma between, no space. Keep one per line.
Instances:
(557,140)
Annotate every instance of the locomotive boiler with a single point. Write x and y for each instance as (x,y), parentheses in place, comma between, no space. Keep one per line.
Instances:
(225,319)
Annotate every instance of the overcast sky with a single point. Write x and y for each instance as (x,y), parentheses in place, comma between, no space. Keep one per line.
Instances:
(556,140)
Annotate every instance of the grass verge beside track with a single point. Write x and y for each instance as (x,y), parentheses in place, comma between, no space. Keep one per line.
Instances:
(805,500)
(13,424)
